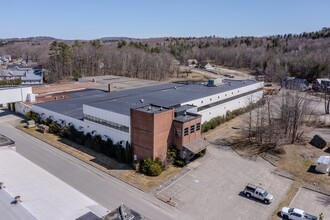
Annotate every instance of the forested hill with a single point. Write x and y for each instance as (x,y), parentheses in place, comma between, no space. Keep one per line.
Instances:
(305,55)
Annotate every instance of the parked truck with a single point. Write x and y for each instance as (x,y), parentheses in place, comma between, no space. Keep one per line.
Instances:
(296,214)
(258,193)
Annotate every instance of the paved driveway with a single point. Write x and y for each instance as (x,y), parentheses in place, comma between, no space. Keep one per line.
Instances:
(213,190)
(312,202)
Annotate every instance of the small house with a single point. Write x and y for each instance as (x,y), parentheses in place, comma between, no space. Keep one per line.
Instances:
(296,84)
(323,164)
(205,65)
(321,84)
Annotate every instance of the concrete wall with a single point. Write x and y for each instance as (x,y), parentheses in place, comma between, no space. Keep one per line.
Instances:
(221,109)
(22,108)
(15,94)
(115,134)
(86,126)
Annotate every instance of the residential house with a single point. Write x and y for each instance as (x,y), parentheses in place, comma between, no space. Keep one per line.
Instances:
(205,65)
(321,84)
(28,75)
(296,83)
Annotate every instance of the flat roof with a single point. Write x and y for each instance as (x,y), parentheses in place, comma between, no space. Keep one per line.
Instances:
(43,195)
(196,146)
(166,95)
(187,117)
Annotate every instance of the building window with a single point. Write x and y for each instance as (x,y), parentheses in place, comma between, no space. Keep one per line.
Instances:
(186,131)
(192,129)
(225,94)
(210,99)
(232,93)
(177,132)
(106,123)
(202,102)
(198,126)
(218,97)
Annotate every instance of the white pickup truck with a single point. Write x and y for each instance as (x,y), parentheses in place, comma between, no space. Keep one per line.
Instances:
(258,193)
(296,214)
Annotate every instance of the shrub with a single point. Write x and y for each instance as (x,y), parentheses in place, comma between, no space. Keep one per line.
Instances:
(150,167)
(213,123)
(55,128)
(174,157)
(30,115)
(179,163)
(155,169)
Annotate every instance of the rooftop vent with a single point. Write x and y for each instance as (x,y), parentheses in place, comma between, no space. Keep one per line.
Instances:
(141,100)
(161,109)
(149,108)
(175,87)
(185,113)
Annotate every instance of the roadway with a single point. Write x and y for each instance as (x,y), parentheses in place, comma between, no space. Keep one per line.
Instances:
(99,186)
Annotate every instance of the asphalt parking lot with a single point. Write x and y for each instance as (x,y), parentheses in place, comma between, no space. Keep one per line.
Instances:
(213,190)
(312,202)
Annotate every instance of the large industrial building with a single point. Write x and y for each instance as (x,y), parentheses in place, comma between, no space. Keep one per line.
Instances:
(155,117)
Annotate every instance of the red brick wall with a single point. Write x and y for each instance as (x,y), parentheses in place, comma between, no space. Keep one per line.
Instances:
(191,136)
(151,134)
(162,133)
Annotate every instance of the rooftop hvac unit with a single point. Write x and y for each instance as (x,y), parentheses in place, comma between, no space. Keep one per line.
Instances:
(215,82)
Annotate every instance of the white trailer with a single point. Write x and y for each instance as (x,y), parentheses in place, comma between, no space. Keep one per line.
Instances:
(323,164)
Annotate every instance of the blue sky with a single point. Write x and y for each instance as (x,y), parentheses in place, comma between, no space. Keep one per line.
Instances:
(81,19)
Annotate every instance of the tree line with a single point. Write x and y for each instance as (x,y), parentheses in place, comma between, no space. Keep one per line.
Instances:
(305,55)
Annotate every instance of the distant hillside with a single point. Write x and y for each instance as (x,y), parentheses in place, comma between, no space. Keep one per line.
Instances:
(305,55)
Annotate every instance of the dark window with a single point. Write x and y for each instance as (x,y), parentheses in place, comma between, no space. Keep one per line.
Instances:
(186,131)
(198,126)
(202,102)
(192,129)
(210,99)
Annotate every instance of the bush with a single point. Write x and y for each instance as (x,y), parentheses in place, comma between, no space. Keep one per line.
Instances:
(155,169)
(55,128)
(150,167)
(174,157)
(213,123)
(30,115)
(179,163)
